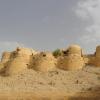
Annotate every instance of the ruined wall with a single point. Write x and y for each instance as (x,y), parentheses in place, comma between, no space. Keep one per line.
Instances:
(93,59)
(89,59)
(72,59)
(98,52)
(5,57)
(44,61)
(18,60)
(96,61)
(74,49)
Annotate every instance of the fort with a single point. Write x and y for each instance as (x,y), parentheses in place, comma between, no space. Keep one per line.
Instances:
(62,74)
(71,58)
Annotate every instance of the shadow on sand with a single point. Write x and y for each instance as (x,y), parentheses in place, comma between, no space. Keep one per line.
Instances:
(88,95)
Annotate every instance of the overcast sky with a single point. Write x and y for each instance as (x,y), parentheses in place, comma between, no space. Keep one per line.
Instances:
(49,24)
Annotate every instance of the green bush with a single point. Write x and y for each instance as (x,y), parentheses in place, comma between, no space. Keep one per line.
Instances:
(57,53)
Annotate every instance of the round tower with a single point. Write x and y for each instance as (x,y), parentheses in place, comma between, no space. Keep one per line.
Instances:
(73,60)
(44,61)
(74,49)
(19,61)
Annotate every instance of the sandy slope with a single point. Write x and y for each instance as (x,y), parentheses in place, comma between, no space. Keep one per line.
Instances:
(56,85)
(49,96)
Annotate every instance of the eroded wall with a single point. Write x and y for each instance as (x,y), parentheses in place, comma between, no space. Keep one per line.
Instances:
(72,58)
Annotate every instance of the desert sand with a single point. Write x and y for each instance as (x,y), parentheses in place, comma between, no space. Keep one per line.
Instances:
(36,85)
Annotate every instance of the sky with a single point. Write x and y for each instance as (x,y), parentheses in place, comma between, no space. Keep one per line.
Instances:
(49,24)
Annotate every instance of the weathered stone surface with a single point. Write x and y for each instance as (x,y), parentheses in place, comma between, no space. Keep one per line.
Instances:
(72,60)
(74,49)
(44,61)
(17,60)
(5,57)
(95,58)
(98,52)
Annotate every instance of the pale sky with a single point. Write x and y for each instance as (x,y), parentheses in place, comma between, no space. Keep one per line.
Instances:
(49,24)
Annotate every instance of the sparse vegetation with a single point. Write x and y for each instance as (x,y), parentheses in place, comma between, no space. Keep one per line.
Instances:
(57,52)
